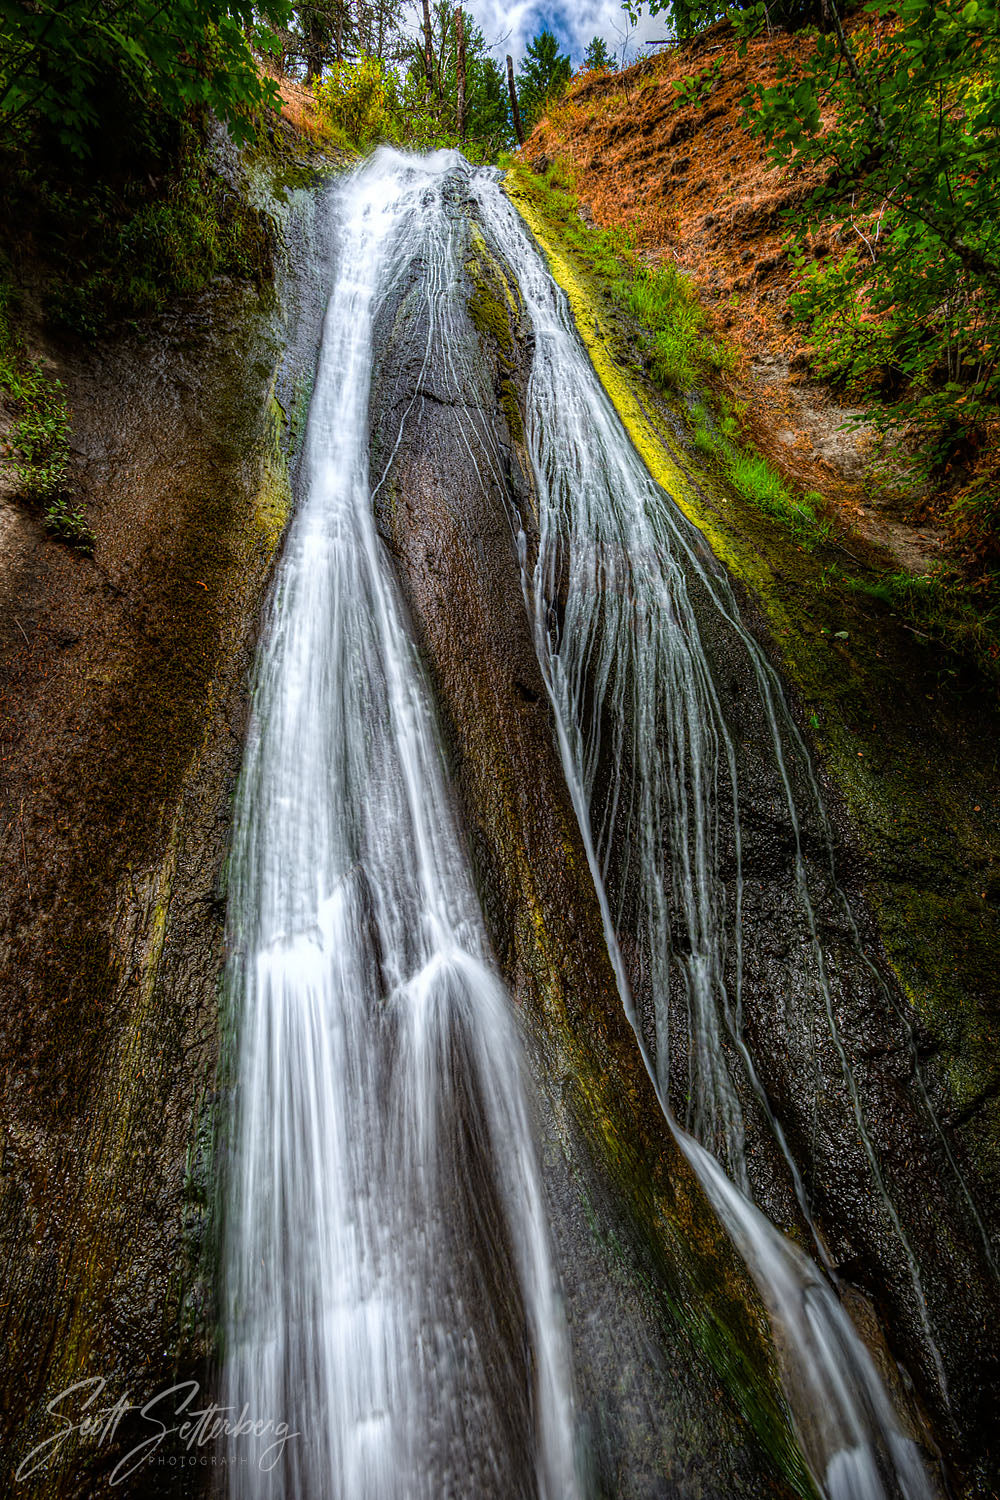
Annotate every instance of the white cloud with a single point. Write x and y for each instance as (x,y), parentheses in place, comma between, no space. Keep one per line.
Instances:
(574,25)
(509,27)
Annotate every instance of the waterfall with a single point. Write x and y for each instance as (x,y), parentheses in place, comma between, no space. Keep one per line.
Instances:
(619,592)
(389,1290)
(388,1287)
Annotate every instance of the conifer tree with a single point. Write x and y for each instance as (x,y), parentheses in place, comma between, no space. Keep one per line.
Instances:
(544,72)
(597,56)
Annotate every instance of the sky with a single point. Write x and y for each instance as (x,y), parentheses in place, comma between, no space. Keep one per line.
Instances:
(573,24)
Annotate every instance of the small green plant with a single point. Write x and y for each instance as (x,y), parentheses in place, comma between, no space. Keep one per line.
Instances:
(704,440)
(36,445)
(939,606)
(661,300)
(697,87)
(752,477)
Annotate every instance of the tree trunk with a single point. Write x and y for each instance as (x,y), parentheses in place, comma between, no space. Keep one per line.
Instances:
(460,73)
(314,57)
(869,105)
(316,41)
(515,112)
(428,50)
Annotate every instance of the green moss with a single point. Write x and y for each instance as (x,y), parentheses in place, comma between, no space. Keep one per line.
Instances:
(281,160)
(510,405)
(274,497)
(302,390)
(127,253)
(489,305)
(495,305)
(488,317)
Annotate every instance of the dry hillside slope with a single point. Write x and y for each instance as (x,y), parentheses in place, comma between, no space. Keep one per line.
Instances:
(660,150)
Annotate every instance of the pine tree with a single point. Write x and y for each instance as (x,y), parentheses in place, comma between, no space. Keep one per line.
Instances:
(543,73)
(598,56)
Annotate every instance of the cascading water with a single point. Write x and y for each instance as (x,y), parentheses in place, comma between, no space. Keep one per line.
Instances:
(617,591)
(389,1292)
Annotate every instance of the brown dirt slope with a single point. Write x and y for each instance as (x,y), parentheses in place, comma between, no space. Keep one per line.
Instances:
(697,188)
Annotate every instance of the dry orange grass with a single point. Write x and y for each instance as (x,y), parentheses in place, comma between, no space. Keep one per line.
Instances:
(298,106)
(698,189)
(691,183)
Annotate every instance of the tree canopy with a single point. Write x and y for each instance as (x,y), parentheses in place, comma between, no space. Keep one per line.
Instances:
(486,113)
(412,96)
(323,33)
(60,64)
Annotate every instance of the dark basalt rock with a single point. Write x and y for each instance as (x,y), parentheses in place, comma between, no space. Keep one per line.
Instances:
(644,1263)
(125,692)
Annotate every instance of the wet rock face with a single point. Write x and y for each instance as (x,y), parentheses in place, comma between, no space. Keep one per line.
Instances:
(890,1207)
(124,680)
(454,506)
(842,1063)
(834,1043)
(111,919)
(634,1240)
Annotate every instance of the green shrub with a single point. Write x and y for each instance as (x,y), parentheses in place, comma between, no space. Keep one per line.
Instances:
(36,445)
(363,100)
(848,345)
(128,260)
(899,123)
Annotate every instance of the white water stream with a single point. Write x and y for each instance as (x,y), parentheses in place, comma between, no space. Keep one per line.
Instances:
(388,1283)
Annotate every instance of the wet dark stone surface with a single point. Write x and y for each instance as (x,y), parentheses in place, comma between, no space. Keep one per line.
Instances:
(125,696)
(653,1292)
(451,537)
(124,713)
(883,1038)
